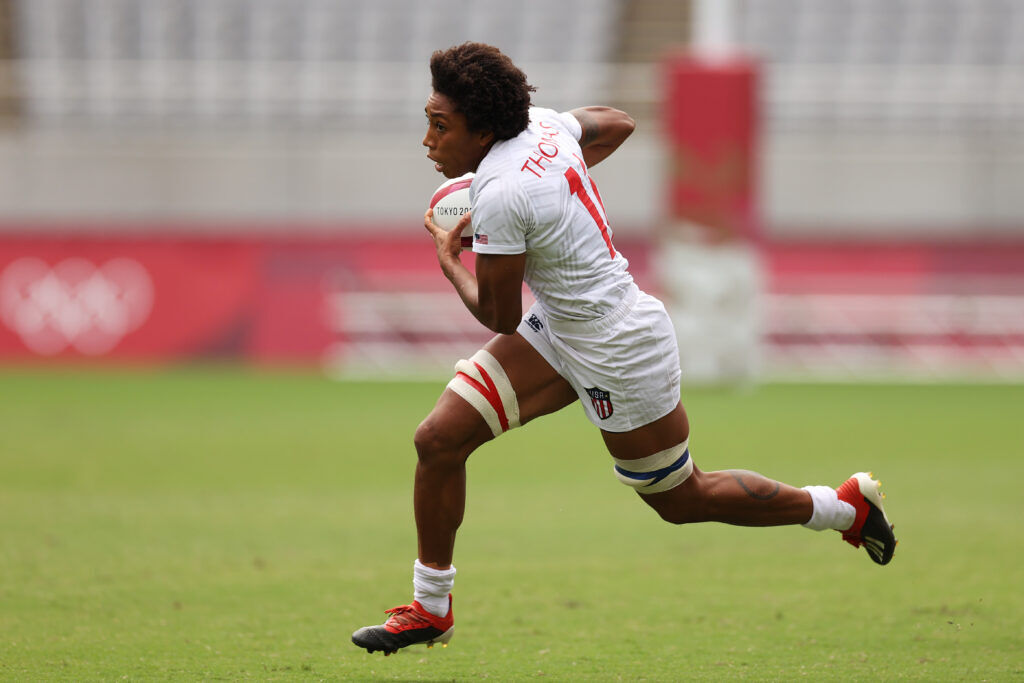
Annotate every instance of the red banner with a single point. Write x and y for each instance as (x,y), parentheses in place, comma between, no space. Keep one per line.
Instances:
(380,305)
(132,298)
(710,120)
(257,298)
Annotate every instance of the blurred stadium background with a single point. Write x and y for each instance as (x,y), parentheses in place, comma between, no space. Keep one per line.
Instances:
(821,189)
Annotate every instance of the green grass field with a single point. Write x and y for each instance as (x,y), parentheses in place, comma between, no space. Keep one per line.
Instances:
(217,524)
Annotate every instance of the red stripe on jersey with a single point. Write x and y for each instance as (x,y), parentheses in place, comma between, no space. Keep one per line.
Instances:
(490,392)
(454,187)
(598,195)
(576,188)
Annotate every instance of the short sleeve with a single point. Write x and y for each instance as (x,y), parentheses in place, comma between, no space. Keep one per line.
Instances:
(572,124)
(502,218)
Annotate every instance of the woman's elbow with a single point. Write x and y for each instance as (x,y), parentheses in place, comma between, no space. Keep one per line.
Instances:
(501,322)
(626,124)
(507,327)
(506,324)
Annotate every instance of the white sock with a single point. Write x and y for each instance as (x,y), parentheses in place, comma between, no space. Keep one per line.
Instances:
(430,587)
(829,511)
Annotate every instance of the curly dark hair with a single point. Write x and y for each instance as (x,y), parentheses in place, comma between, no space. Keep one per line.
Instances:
(485,86)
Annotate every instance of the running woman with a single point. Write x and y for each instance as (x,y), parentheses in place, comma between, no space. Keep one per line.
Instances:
(592,336)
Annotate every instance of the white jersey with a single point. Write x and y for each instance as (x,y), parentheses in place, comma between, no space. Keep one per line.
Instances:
(532,194)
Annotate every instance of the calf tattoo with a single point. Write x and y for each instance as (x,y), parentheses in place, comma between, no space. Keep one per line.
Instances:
(748,481)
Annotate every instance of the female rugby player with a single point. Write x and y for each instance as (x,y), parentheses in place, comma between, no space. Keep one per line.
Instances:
(592,336)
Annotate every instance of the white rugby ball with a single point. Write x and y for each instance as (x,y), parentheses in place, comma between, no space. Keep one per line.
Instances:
(450,202)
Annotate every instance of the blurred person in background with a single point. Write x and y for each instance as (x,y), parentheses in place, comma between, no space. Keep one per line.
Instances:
(592,336)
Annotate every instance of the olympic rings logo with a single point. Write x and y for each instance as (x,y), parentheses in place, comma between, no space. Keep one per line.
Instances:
(75,303)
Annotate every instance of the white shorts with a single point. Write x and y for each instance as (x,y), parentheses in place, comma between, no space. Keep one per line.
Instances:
(624,366)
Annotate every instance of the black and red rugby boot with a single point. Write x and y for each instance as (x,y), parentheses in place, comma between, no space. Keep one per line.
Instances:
(407,625)
(871,528)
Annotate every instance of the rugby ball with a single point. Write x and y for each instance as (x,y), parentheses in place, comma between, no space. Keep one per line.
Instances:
(450,202)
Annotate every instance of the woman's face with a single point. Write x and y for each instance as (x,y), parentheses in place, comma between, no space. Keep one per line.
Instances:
(454,149)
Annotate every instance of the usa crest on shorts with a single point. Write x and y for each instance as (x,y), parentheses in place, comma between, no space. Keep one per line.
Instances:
(602,401)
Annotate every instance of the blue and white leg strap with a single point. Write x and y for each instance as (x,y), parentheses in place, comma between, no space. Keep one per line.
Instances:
(656,473)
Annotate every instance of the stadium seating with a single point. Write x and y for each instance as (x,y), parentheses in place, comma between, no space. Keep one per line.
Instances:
(947,65)
(321,62)
(951,66)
